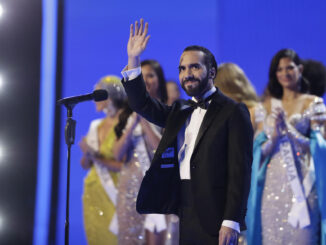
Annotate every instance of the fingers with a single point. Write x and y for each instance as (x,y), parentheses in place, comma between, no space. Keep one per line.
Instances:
(136,28)
(278,114)
(140,30)
(227,236)
(141,27)
(221,239)
(131,31)
(228,239)
(277,111)
(234,240)
(146,41)
(145,29)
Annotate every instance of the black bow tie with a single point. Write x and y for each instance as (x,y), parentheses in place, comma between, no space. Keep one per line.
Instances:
(201,103)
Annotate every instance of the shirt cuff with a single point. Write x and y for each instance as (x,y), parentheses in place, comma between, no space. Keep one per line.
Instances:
(130,74)
(231,224)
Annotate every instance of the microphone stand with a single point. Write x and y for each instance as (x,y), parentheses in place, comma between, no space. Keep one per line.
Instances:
(70,139)
(69,103)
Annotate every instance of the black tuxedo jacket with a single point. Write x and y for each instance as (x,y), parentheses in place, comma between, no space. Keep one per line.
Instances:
(220,164)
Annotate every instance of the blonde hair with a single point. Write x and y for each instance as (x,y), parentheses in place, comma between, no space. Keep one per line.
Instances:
(233,82)
(112,84)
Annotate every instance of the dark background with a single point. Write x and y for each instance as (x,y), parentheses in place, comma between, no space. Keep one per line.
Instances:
(20,41)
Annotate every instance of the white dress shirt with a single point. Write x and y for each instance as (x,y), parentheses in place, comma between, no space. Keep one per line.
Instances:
(186,136)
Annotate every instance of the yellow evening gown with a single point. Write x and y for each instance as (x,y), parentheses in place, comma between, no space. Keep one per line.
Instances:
(98,209)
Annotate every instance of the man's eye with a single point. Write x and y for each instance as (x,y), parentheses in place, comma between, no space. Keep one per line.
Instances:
(195,67)
(181,69)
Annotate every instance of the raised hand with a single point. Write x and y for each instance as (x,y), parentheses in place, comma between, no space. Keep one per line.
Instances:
(137,43)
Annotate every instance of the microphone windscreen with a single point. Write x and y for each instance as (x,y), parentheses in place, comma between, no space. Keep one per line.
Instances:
(100,94)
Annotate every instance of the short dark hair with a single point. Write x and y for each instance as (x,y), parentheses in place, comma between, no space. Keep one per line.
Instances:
(315,72)
(162,93)
(274,88)
(209,57)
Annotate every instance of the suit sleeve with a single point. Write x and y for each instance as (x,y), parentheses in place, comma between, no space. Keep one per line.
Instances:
(140,101)
(240,141)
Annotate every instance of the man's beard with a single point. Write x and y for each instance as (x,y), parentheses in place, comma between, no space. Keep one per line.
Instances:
(198,90)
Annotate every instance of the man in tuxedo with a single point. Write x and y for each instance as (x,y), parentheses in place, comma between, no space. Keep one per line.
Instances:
(202,166)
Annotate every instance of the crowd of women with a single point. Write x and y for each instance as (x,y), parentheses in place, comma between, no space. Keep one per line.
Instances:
(286,203)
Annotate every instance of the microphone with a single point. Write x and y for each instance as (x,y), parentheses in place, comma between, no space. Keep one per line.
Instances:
(97,95)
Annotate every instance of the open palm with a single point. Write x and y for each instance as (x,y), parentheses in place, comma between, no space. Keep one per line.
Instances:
(138,39)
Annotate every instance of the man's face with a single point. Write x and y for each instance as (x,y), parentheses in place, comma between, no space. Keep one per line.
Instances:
(193,74)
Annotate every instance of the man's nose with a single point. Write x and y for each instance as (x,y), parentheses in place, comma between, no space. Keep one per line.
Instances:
(188,72)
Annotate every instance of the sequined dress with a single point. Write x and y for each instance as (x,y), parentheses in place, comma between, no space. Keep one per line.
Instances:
(98,208)
(131,224)
(277,198)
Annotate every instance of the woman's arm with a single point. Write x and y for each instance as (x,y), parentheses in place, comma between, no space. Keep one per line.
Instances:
(295,136)
(85,161)
(111,164)
(90,156)
(153,138)
(268,147)
(275,129)
(122,145)
(318,119)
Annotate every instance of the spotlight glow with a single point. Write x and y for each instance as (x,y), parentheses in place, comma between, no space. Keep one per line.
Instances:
(1,82)
(1,223)
(1,10)
(1,152)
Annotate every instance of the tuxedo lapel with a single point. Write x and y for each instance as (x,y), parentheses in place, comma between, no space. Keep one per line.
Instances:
(212,111)
(176,121)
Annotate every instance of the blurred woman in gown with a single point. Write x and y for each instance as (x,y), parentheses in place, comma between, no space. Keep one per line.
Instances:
(286,203)
(137,141)
(100,184)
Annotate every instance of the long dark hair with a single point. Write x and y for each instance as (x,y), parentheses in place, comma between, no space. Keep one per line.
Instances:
(274,88)
(123,118)
(162,93)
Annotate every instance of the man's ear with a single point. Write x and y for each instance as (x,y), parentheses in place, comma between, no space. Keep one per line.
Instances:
(300,68)
(212,73)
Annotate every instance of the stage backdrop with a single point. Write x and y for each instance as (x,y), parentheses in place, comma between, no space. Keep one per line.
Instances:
(248,33)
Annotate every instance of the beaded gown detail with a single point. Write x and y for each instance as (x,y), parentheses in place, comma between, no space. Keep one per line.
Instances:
(131,223)
(278,196)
